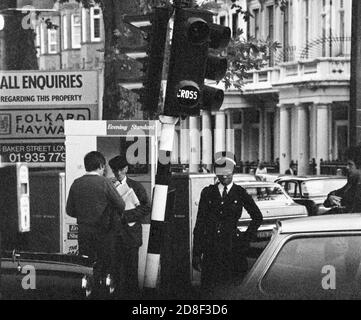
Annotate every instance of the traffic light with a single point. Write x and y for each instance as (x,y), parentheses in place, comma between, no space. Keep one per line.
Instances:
(153,65)
(154,26)
(191,62)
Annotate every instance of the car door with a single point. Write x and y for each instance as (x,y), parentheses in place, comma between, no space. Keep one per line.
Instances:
(310,266)
(31,278)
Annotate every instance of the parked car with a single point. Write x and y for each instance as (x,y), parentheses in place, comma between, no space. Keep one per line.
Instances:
(274,204)
(307,258)
(311,191)
(35,276)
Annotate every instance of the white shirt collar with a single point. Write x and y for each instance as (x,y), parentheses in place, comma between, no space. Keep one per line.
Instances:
(124,180)
(221,187)
(93,173)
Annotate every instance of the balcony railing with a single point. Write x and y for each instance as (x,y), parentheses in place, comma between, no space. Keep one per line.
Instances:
(306,65)
(317,70)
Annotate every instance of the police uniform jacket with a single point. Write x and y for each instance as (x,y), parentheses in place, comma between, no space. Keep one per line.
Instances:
(216,225)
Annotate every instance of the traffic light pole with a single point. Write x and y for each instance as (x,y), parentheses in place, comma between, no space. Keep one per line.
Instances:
(159,202)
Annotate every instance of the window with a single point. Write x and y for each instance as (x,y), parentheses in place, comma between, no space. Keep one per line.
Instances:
(316,188)
(222,20)
(342,33)
(234,24)
(75,31)
(323,19)
(291,188)
(37,41)
(269,194)
(42,39)
(300,268)
(83,24)
(65,32)
(270,31)
(307,25)
(256,23)
(286,30)
(95,24)
(52,41)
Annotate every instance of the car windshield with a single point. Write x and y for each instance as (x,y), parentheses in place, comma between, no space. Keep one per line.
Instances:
(321,187)
(308,268)
(267,193)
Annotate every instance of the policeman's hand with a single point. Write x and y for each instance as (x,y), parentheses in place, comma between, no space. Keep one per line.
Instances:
(335,200)
(196,263)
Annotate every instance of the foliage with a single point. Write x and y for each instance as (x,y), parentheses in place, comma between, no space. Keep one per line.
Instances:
(245,55)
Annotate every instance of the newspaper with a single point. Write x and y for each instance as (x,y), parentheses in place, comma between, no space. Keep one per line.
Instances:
(129,197)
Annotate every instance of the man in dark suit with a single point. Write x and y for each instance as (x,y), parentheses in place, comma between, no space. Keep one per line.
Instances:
(91,200)
(292,170)
(130,237)
(216,242)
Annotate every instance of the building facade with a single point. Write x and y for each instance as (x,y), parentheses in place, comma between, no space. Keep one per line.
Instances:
(297,107)
(294,109)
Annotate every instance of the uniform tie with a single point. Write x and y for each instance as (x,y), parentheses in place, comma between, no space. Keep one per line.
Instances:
(224,193)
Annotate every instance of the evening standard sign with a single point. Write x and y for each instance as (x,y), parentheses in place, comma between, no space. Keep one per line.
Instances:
(48,88)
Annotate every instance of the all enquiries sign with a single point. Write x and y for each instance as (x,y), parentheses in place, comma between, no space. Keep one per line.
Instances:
(33,108)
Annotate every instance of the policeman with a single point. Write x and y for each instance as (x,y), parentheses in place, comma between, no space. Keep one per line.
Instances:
(218,247)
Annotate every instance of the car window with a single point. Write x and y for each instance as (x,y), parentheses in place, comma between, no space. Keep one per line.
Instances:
(267,193)
(321,187)
(316,268)
(292,189)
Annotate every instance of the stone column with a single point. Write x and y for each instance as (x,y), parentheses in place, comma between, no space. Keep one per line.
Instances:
(207,157)
(261,135)
(322,134)
(285,140)
(276,134)
(194,144)
(229,132)
(303,139)
(220,132)
(184,140)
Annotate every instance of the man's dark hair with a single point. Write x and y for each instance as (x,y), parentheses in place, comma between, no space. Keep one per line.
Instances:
(118,163)
(93,161)
(354,154)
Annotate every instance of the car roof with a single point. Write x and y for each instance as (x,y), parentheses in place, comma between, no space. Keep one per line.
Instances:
(255,183)
(303,178)
(324,223)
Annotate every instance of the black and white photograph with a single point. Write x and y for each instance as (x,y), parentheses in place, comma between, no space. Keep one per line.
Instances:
(180,155)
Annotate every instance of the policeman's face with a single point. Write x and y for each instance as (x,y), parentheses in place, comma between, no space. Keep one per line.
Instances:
(225,178)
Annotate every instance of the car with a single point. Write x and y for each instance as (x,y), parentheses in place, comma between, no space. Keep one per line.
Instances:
(44,276)
(311,191)
(307,258)
(274,204)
